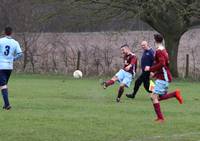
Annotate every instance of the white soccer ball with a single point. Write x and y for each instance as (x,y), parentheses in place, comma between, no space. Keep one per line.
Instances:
(77,74)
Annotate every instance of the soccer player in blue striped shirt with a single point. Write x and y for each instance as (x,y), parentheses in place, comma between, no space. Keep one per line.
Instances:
(9,51)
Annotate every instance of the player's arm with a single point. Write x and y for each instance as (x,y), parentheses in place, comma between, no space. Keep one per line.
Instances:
(127,68)
(132,64)
(18,56)
(18,52)
(149,61)
(159,65)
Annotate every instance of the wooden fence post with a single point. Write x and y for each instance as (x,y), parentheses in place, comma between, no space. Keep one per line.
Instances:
(78,60)
(187,66)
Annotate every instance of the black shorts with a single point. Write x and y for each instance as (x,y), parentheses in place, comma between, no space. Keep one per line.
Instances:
(4,77)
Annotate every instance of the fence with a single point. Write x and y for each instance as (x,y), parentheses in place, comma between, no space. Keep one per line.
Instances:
(99,52)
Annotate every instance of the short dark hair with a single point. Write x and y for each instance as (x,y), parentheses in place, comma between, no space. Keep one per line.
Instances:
(158,38)
(124,45)
(8,30)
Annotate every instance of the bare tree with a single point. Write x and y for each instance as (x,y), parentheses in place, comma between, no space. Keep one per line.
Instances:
(96,57)
(86,55)
(108,52)
(170,18)
(64,43)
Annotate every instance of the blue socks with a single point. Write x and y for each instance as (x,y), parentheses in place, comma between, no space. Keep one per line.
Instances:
(5,97)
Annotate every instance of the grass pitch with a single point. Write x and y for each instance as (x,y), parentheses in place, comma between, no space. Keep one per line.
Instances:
(58,108)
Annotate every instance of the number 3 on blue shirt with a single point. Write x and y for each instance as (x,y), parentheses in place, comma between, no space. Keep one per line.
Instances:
(7,50)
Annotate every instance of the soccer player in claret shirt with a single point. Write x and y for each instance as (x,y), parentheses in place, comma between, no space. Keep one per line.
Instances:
(163,77)
(9,51)
(124,76)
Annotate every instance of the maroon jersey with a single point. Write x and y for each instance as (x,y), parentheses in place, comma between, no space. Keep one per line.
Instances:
(161,65)
(130,59)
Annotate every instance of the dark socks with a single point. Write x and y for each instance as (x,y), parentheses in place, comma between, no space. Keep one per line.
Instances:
(5,97)
(120,92)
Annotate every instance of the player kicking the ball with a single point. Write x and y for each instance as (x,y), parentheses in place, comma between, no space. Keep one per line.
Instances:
(124,76)
(163,77)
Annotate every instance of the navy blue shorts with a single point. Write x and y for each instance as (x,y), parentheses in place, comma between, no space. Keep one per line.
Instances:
(4,77)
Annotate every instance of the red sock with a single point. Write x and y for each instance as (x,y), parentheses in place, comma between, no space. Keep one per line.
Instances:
(167,96)
(109,82)
(158,111)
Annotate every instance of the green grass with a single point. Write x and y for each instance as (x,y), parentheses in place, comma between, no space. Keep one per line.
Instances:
(58,108)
